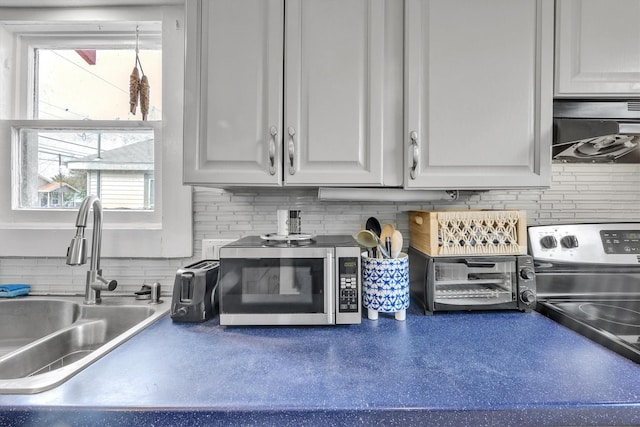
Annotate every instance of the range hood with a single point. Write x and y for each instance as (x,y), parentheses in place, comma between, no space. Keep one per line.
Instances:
(596,131)
(385,194)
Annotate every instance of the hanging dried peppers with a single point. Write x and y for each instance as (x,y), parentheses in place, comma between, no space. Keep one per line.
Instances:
(138,87)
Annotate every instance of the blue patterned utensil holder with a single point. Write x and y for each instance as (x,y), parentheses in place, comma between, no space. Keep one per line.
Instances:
(385,285)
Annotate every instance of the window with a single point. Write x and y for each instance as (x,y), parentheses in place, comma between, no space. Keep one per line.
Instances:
(114,165)
(67,129)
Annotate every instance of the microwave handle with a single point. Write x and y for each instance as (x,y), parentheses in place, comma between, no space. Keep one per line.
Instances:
(329,274)
(479,264)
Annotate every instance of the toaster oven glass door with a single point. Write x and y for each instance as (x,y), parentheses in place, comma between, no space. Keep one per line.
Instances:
(278,289)
(475,281)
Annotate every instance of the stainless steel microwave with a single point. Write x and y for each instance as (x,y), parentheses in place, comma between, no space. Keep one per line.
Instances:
(313,281)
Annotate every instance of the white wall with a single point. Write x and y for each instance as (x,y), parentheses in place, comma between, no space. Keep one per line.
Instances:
(6,73)
(579,193)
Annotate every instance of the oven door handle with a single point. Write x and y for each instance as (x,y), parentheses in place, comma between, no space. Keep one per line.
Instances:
(331,283)
(479,264)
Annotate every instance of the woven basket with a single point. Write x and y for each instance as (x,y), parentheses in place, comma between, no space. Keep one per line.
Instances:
(486,232)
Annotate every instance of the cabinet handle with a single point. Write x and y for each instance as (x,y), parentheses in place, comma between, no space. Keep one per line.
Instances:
(415,154)
(272,150)
(292,148)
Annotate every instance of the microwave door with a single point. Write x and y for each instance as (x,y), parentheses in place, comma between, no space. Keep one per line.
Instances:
(276,287)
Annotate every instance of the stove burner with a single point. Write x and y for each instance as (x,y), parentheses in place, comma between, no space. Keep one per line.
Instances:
(604,148)
(611,313)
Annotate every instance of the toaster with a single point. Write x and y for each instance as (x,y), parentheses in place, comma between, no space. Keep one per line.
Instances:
(194,292)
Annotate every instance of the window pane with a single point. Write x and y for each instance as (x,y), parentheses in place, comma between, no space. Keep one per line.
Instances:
(60,167)
(93,84)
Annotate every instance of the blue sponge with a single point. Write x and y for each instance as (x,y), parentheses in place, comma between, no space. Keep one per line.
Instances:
(13,290)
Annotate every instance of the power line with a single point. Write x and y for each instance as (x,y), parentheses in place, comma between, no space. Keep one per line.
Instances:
(56,151)
(66,110)
(50,138)
(90,72)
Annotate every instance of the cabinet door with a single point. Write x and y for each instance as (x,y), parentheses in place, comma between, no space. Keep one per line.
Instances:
(597,48)
(338,103)
(233,92)
(478,93)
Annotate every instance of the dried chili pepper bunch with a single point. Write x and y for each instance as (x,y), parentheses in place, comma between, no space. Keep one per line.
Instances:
(138,87)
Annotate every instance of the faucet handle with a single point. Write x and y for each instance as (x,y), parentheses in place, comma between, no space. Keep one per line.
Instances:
(102,284)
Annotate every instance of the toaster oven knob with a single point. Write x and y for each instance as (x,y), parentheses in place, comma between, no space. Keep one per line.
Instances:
(548,242)
(528,296)
(527,273)
(569,242)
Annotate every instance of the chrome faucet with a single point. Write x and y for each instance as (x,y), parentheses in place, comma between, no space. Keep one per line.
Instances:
(77,251)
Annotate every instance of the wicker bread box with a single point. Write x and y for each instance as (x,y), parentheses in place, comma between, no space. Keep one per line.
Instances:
(480,232)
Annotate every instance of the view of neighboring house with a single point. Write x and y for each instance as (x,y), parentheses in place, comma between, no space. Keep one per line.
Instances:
(54,194)
(123,177)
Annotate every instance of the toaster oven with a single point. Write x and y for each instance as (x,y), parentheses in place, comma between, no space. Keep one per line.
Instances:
(498,282)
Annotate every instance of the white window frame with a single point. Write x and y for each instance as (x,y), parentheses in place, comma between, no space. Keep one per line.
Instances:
(164,233)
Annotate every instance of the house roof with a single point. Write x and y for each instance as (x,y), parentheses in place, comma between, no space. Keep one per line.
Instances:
(55,186)
(133,157)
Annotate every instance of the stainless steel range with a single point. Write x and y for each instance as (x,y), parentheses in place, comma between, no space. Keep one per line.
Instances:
(588,279)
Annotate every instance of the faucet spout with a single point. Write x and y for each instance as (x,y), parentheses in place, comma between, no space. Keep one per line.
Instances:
(77,251)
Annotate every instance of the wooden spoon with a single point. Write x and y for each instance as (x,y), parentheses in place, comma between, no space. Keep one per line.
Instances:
(396,243)
(386,233)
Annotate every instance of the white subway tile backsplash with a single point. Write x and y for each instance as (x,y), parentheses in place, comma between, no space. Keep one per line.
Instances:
(578,193)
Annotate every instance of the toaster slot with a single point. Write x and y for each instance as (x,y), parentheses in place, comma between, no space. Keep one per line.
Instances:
(186,287)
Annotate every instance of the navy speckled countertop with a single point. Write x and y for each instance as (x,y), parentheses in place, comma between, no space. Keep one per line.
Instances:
(493,368)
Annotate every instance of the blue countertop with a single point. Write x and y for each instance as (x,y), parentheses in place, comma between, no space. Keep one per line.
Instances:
(477,368)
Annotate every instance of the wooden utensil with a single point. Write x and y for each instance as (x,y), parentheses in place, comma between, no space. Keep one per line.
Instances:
(387,231)
(385,235)
(396,243)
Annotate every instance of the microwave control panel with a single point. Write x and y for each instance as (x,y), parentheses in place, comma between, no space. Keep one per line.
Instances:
(348,285)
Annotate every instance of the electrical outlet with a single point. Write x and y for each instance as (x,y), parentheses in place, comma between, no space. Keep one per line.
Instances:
(211,247)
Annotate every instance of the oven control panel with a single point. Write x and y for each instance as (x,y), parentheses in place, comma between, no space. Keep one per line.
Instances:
(606,243)
(621,241)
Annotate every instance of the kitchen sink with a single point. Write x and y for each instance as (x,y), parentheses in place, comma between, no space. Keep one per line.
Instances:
(46,340)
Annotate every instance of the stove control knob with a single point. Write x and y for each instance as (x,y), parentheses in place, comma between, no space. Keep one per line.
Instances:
(527,273)
(569,241)
(548,242)
(528,296)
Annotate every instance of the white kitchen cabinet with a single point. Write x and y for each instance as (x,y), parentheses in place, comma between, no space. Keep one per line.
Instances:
(597,48)
(295,92)
(478,93)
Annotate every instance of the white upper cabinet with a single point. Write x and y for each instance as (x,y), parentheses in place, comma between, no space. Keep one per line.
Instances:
(478,93)
(597,48)
(233,92)
(315,99)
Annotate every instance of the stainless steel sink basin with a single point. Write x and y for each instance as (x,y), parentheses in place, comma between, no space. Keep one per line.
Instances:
(46,340)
